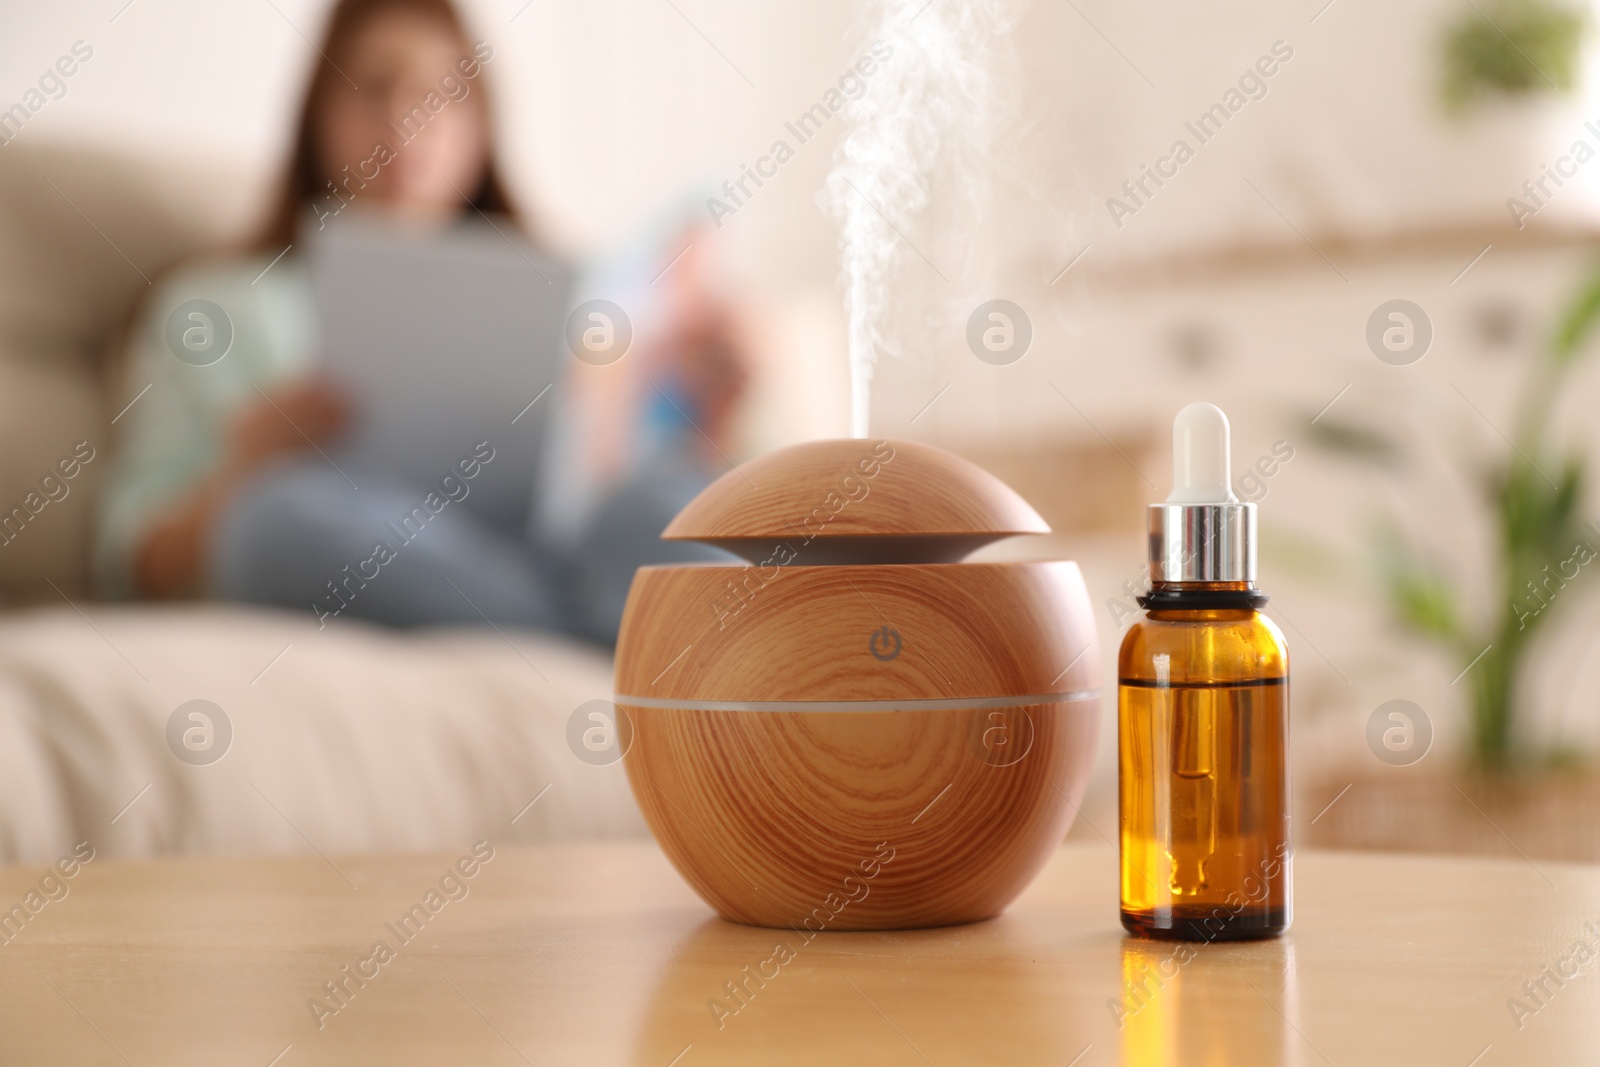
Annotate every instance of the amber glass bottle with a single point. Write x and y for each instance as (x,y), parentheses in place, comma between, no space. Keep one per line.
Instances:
(1203,717)
(1203,737)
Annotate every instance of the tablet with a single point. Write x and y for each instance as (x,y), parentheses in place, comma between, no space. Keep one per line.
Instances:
(447,342)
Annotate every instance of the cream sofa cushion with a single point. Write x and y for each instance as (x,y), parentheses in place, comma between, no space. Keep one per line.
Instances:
(83,233)
(355,739)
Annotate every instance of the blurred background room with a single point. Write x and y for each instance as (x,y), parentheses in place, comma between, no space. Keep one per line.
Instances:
(1376,251)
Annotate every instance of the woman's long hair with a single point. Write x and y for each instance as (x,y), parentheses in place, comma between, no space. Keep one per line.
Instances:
(305,179)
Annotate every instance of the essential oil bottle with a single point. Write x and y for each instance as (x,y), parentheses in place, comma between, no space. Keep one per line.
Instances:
(1203,716)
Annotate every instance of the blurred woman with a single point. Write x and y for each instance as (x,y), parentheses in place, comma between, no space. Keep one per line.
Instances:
(218,487)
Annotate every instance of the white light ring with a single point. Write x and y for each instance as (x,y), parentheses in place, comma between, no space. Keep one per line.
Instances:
(914,704)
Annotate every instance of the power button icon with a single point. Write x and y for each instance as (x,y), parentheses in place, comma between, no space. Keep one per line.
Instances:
(885,643)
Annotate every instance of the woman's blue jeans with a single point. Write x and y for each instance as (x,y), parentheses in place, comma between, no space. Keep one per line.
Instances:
(301,536)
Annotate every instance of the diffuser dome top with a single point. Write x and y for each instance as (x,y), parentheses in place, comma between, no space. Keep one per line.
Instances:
(856,501)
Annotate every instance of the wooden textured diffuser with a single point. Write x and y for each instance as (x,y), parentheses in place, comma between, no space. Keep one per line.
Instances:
(856,730)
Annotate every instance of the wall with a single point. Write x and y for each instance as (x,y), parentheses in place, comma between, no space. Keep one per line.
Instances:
(617,113)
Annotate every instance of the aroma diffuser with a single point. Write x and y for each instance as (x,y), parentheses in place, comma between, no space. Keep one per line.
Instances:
(857,730)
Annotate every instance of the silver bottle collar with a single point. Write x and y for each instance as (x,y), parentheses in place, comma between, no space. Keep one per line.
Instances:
(1203,542)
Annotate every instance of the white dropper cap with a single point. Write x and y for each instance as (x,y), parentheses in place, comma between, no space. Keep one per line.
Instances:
(1200,457)
(1202,533)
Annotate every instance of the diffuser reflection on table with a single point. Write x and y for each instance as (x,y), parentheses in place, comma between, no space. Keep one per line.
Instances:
(856,730)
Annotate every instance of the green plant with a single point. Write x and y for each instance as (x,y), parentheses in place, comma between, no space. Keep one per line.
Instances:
(1510,48)
(1542,545)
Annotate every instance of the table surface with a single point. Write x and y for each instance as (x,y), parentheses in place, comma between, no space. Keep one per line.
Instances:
(600,954)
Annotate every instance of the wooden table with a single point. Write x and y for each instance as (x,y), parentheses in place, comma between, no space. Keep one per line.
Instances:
(600,954)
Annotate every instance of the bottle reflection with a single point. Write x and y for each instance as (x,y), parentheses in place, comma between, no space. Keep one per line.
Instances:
(1202,1004)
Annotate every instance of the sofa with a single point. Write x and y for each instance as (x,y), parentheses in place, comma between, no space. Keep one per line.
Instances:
(343,739)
